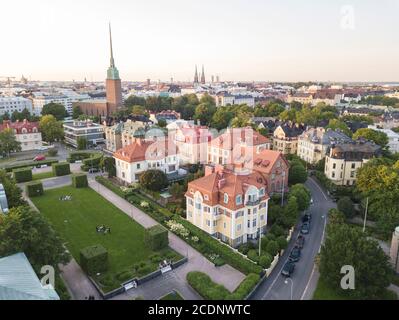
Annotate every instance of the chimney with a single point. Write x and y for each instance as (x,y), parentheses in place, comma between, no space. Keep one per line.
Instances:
(221,183)
(209,170)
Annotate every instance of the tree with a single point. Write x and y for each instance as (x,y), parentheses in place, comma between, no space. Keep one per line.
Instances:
(55,109)
(20,116)
(8,142)
(51,128)
(302,194)
(162,123)
(134,100)
(204,113)
(291,210)
(378,137)
(221,118)
(82,143)
(24,230)
(108,163)
(76,112)
(138,110)
(297,174)
(345,245)
(335,124)
(154,180)
(345,205)
(13,192)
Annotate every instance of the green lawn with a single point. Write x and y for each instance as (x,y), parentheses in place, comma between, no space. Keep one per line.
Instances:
(174,295)
(76,222)
(43,175)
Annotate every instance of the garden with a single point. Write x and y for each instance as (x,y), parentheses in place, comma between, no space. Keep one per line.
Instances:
(77,221)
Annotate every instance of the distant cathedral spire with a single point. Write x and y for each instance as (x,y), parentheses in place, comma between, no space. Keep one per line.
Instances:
(196,75)
(203,75)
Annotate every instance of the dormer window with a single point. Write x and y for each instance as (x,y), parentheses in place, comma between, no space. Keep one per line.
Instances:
(262,192)
(238,199)
(226,198)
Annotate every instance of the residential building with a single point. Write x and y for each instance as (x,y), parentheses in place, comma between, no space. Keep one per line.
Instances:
(394,251)
(11,104)
(314,143)
(229,204)
(39,100)
(169,116)
(344,159)
(301,97)
(3,200)
(27,133)
(235,142)
(114,101)
(86,129)
(393,138)
(18,280)
(144,154)
(285,137)
(226,99)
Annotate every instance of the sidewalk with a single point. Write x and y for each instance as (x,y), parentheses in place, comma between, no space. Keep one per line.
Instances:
(225,275)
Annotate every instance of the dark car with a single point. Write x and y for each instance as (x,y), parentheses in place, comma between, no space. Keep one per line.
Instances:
(305,228)
(306,218)
(295,255)
(288,269)
(300,241)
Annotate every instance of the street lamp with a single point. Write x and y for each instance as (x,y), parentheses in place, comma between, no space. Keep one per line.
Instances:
(292,285)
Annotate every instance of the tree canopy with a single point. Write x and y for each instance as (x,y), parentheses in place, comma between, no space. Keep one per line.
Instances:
(154,180)
(51,129)
(8,142)
(57,110)
(378,137)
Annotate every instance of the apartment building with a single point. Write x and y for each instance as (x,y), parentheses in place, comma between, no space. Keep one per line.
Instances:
(40,100)
(344,159)
(393,138)
(11,104)
(313,144)
(234,143)
(226,99)
(285,137)
(27,133)
(229,204)
(144,154)
(87,129)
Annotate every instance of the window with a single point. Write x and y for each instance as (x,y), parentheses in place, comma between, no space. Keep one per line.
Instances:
(254,223)
(207,209)
(353,165)
(206,197)
(262,217)
(352,174)
(239,227)
(226,198)
(238,199)
(138,166)
(249,224)
(262,192)
(333,175)
(208,223)
(334,165)
(239,214)
(190,202)
(224,225)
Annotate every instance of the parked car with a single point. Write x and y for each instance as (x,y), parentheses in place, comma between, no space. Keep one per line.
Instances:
(307,217)
(39,157)
(300,241)
(295,255)
(288,269)
(311,200)
(305,228)
(94,170)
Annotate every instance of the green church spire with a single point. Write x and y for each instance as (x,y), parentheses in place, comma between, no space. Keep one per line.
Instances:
(112,72)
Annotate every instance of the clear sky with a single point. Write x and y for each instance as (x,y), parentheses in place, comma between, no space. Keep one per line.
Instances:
(271,40)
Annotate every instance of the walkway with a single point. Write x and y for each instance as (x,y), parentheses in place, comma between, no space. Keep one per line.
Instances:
(225,275)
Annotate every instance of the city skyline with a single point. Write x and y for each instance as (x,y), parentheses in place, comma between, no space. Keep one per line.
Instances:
(163,41)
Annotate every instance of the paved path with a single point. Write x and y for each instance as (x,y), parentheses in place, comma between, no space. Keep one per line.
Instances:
(225,275)
(304,280)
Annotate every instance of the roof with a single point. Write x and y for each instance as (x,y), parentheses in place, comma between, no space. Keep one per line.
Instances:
(233,136)
(142,149)
(325,137)
(292,130)
(19,125)
(18,280)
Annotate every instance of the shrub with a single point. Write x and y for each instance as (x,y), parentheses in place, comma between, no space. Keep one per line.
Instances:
(108,184)
(253,255)
(204,285)
(22,174)
(93,161)
(297,174)
(156,237)
(345,205)
(94,259)
(245,247)
(272,248)
(30,164)
(245,287)
(34,189)
(282,242)
(265,260)
(277,230)
(79,180)
(61,169)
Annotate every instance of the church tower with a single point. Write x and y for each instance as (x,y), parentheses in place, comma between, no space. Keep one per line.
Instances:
(196,81)
(203,75)
(113,83)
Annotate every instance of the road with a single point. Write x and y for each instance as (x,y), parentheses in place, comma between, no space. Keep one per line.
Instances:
(303,281)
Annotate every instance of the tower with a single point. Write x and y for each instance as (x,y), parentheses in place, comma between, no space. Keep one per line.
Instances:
(203,75)
(113,83)
(196,75)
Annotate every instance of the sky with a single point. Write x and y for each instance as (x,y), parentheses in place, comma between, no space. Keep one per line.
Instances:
(239,40)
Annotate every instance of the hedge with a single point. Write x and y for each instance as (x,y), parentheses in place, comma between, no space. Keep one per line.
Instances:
(210,290)
(34,189)
(206,288)
(156,237)
(78,155)
(61,169)
(94,259)
(93,161)
(22,174)
(79,180)
(108,184)
(30,164)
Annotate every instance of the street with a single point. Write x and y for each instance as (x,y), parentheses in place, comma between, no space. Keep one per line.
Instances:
(302,282)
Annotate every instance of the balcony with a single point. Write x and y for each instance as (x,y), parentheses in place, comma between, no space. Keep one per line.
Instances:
(252,203)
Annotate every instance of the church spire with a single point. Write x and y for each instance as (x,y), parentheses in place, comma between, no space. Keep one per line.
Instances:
(196,75)
(112,64)
(203,75)
(113,72)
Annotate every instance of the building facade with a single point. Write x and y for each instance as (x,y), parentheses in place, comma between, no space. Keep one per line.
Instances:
(344,159)
(27,133)
(314,143)
(285,138)
(393,138)
(226,99)
(85,129)
(11,104)
(231,205)
(143,154)
(40,100)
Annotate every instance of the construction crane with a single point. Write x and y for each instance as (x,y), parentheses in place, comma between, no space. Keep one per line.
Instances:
(8,80)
